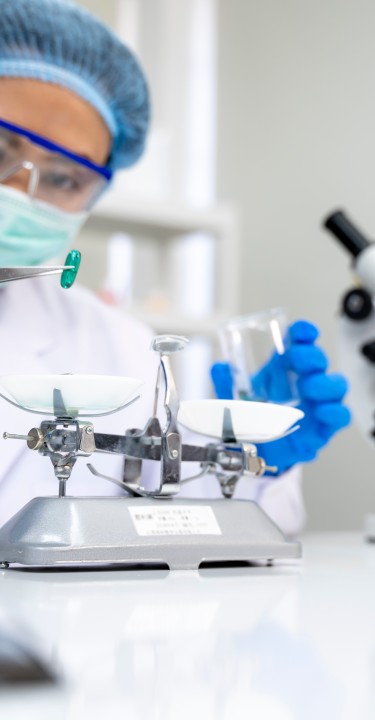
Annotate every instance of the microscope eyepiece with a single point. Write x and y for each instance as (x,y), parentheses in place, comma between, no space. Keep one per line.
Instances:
(348,235)
(357,304)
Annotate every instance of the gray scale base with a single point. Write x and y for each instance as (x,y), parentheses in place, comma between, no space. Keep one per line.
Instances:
(51,531)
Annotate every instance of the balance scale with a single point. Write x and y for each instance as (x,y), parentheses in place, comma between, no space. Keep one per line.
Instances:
(141,526)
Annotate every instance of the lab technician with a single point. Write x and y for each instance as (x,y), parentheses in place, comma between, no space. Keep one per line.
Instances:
(74,108)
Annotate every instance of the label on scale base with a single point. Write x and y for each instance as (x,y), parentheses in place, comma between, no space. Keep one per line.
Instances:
(177,520)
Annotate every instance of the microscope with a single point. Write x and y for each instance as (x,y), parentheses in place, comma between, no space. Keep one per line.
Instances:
(356,323)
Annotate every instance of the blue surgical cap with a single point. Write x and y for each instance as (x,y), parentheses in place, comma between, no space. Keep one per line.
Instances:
(56,42)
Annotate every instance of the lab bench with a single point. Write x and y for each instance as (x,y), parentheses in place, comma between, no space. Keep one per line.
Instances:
(292,641)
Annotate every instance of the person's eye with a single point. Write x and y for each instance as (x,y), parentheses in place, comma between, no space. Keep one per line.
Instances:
(56,180)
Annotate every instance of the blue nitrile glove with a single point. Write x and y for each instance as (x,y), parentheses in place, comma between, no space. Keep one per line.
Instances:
(321,398)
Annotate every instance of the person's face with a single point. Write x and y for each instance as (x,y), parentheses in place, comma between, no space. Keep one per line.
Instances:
(57,114)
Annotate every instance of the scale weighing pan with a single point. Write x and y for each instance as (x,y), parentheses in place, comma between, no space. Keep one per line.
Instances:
(82,394)
(252,421)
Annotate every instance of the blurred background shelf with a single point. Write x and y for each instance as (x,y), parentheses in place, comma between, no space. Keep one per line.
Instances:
(166,217)
(184,262)
(181,325)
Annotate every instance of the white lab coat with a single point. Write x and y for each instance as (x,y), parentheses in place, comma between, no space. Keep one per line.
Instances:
(45,329)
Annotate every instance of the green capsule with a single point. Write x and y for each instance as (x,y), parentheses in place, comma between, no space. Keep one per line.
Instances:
(68,276)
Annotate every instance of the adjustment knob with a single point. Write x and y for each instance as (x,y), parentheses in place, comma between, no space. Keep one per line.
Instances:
(368,350)
(35,439)
(357,304)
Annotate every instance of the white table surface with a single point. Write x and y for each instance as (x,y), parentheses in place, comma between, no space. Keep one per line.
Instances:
(296,640)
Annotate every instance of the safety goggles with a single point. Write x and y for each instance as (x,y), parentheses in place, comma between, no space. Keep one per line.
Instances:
(49,172)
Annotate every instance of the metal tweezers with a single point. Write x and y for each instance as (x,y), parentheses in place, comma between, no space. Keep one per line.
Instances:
(21,273)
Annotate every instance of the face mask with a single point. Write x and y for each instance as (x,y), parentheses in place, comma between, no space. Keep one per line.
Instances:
(32,231)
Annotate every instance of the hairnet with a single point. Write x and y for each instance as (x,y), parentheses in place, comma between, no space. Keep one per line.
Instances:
(55,41)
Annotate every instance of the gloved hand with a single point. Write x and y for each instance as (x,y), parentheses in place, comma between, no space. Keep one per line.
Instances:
(321,398)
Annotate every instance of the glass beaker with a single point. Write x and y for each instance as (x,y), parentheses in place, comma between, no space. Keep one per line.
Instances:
(255,346)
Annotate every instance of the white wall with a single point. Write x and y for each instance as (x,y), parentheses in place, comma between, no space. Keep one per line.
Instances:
(296,141)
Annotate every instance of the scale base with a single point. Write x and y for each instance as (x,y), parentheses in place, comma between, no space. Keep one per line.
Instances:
(180,533)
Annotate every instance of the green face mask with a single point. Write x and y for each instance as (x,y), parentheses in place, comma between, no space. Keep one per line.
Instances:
(31,231)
